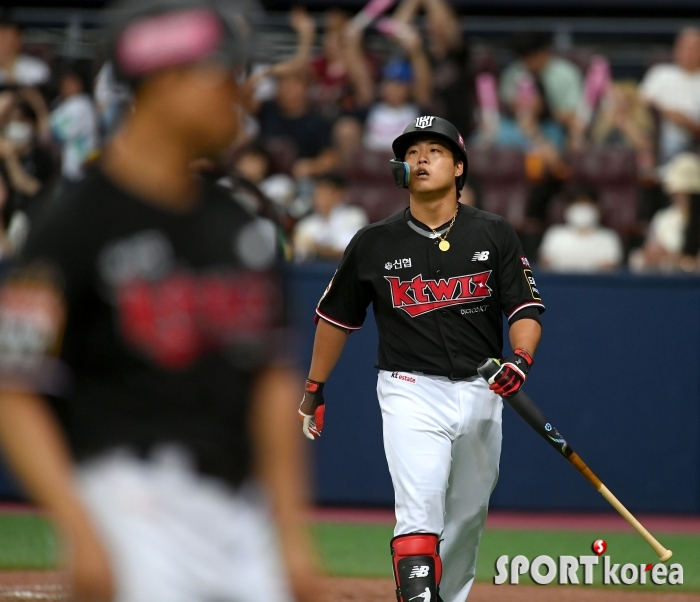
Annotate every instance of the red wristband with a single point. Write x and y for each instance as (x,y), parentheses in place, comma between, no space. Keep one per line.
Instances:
(523,354)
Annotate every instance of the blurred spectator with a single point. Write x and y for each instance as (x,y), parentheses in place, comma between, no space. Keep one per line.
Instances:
(291,117)
(581,244)
(254,163)
(14,224)
(673,239)
(448,53)
(624,121)
(560,79)
(27,165)
(343,72)
(74,125)
(17,69)
(112,100)
(405,91)
(529,124)
(326,233)
(674,91)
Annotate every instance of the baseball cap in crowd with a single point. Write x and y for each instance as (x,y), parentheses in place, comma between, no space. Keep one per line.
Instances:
(398,70)
(682,174)
(151,35)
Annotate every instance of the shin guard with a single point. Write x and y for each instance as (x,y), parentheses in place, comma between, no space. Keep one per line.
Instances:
(417,567)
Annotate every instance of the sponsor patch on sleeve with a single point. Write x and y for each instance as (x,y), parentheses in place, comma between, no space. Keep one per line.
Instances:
(532,284)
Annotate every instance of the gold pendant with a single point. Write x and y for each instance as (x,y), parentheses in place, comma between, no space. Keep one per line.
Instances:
(444,245)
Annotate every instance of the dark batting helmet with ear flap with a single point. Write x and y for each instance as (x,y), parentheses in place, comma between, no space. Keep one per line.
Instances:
(433,127)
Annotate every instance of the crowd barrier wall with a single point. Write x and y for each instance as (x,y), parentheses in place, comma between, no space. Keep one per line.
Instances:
(617,372)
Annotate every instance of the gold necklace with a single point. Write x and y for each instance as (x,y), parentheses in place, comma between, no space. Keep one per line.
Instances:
(444,245)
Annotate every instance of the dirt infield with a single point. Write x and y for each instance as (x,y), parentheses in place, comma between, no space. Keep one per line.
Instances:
(46,586)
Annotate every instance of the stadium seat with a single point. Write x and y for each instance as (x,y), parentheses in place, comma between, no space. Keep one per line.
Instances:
(378,201)
(371,167)
(613,173)
(504,185)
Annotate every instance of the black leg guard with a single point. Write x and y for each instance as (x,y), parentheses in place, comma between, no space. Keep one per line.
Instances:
(417,567)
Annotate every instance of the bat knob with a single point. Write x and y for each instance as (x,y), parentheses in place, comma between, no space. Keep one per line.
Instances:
(488,368)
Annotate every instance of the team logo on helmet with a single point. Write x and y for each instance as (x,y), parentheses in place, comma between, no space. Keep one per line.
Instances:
(461,140)
(424,122)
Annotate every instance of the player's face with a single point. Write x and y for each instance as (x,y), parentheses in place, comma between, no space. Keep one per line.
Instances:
(204,105)
(432,165)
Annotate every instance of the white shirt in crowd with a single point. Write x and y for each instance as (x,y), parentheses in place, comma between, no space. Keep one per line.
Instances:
(74,125)
(334,232)
(26,71)
(569,249)
(673,88)
(667,229)
(386,123)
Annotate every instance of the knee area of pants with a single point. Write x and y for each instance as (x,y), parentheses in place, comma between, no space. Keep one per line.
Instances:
(415,544)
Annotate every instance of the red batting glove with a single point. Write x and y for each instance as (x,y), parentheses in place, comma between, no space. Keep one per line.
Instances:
(514,369)
(312,409)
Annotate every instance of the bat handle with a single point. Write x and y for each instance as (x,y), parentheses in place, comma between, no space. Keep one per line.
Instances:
(488,368)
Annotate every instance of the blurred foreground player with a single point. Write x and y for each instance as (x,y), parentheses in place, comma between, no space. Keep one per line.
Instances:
(157,296)
(440,276)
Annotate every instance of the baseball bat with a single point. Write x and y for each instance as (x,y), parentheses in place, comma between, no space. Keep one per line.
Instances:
(528,411)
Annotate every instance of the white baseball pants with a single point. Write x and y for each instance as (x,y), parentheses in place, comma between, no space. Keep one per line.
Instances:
(442,440)
(177,536)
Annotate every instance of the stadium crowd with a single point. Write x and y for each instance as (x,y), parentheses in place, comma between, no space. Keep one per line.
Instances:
(594,174)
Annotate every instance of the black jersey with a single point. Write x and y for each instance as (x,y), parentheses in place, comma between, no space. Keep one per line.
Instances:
(437,312)
(160,319)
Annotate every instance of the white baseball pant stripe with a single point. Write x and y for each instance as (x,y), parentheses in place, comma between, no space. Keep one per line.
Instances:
(442,440)
(174,535)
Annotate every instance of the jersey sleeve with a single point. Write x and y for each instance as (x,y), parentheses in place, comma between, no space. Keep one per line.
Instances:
(345,301)
(35,299)
(518,290)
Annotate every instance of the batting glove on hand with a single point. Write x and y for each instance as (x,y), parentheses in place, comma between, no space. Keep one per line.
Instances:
(312,409)
(512,374)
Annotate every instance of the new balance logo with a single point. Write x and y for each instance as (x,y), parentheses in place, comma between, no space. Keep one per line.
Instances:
(419,571)
(480,256)
(424,122)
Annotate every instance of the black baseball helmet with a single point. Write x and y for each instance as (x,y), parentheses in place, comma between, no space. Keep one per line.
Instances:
(436,127)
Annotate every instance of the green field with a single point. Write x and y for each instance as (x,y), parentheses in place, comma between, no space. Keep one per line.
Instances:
(27,541)
(362,550)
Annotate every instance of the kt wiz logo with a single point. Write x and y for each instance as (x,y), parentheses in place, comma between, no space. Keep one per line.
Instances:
(418,296)
(573,570)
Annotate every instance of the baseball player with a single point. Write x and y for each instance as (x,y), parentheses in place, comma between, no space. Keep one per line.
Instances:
(439,276)
(165,458)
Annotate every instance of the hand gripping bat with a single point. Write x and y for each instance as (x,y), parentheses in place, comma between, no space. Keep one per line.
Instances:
(530,413)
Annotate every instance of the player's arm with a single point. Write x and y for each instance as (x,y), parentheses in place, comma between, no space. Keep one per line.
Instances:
(522,304)
(37,452)
(525,334)
(341,310)
(329,343)
(328,346)
(280,466)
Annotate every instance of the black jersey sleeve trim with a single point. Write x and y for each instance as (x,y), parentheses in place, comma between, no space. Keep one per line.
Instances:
(335,322)
(540,307)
